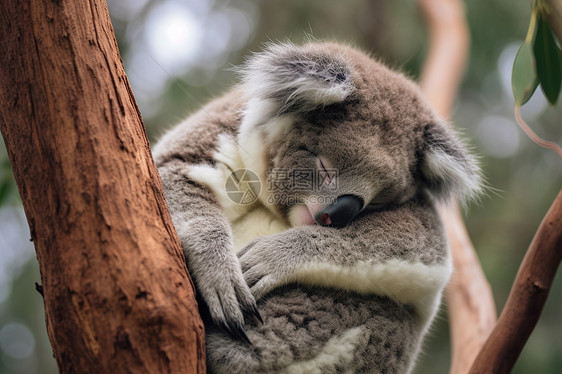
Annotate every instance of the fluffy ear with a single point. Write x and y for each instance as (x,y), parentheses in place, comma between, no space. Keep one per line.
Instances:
(294,78)
(447,167)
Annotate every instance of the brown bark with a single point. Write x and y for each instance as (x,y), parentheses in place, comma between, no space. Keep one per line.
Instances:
(527,296)
(471,307)
(117,294)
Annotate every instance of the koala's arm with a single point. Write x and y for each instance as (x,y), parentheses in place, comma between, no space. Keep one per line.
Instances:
(204,232)
(400,253)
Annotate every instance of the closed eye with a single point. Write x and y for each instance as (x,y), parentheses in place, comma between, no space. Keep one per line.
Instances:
(375,206)
(304,149)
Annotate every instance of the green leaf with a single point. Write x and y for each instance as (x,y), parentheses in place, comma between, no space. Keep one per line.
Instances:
(549,61)
(524,80)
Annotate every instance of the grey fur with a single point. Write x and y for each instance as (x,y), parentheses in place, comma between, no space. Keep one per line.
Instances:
(354,299)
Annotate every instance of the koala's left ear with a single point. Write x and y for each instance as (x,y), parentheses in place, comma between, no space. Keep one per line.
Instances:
(293,79)
(447,167)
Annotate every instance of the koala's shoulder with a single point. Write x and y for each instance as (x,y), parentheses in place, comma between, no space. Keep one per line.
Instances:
(194,139)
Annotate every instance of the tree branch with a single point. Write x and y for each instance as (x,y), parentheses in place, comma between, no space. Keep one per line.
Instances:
(470,303)
(117,294)
(449,43)
(472,312)
(527,296)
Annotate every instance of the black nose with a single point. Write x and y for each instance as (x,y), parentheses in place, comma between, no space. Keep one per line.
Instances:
(341,212)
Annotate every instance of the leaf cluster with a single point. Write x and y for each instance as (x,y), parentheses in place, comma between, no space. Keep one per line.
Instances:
(538,61)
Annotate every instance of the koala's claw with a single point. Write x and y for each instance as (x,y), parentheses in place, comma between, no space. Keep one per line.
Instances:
(249,308)
(227,297)
(254,312)
(236,332)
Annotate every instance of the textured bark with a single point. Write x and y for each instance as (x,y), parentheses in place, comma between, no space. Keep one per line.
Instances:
(527,297)
(470,303)
(117,294)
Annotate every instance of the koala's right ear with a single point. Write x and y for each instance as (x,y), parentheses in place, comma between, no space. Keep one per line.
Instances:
(291,79)
(447,167)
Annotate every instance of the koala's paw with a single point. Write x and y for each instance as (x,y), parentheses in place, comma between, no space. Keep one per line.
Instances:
(266,266)
(228,297)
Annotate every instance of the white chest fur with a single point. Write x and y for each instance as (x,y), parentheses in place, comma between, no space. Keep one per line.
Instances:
(248,221)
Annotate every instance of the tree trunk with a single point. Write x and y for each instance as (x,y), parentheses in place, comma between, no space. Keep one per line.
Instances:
(117,294)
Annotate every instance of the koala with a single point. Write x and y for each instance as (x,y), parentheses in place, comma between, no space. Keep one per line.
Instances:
(333,235)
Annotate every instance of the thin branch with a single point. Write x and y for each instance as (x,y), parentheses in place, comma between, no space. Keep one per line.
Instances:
(471,308)
(449,43)
(531,134)
(527,296)
(472,313)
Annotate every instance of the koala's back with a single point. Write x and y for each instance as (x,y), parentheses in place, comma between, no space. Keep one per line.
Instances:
(321,330)
(194,140)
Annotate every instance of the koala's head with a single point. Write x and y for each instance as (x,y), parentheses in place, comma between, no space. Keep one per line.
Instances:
(334,132)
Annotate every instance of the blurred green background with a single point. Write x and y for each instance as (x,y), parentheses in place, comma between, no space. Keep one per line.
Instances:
(178,55)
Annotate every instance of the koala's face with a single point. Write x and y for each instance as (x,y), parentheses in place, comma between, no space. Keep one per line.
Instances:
(338,133)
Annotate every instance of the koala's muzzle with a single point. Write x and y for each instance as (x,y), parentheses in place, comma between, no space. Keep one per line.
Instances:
(340,212)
